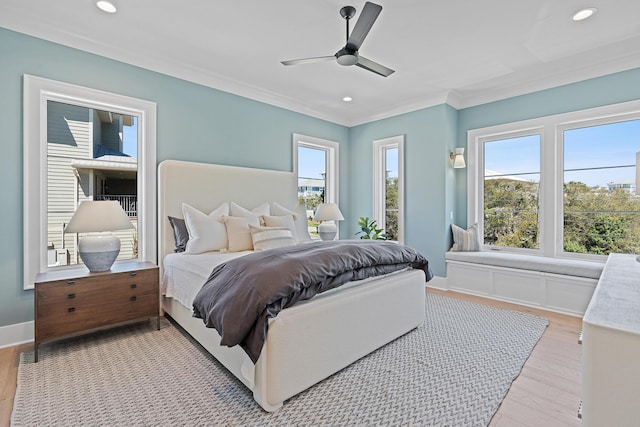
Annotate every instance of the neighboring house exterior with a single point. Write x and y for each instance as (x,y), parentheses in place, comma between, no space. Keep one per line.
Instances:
(310,187)
(85,161)
(628,186)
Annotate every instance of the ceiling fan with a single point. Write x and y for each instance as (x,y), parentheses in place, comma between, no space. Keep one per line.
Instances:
(349,55)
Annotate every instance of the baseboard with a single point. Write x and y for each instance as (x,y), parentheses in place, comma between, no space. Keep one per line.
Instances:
(18,333)
(438,282)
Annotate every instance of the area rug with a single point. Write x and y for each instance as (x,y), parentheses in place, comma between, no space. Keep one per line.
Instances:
(454,370)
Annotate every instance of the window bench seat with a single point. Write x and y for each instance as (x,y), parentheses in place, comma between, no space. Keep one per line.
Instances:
(562,285)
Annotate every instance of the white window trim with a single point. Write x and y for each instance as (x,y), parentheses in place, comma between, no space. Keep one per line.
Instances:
(37,91)
(379,176)
(551,130)
(332,167)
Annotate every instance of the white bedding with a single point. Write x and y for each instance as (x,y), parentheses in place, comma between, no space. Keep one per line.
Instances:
(184,274)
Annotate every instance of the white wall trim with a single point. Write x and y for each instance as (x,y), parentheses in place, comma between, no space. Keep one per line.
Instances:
(18,333)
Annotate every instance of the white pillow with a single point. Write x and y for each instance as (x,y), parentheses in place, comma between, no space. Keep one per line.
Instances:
(238,232)
(299,219)
(206,232)
(271,237)
(237,210)
(465,240)
(285,221)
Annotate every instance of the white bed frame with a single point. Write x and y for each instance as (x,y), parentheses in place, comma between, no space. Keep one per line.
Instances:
(311,340)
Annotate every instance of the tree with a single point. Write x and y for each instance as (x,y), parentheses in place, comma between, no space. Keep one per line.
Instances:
(391,208)
(596,220)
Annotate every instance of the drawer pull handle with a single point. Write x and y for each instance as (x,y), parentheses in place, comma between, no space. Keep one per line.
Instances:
(71,296)
(71,282)
(133,286)
(71,309)
(134,273)
(133,298)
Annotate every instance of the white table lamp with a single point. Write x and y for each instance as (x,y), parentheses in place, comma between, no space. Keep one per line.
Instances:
(328,213)
(98,251)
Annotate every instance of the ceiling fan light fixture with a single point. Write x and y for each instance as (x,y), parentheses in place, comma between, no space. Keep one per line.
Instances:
(347,59)
(106,6)
(583,14)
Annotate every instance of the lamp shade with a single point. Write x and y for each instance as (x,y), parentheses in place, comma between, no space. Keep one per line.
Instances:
(458,161)
(98,215)
(328,212)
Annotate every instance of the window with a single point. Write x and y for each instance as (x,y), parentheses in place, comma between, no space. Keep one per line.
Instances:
(388,187)
(512,192)
(91,155)
(562,185)
(601,207)
(316,165)
(84,144)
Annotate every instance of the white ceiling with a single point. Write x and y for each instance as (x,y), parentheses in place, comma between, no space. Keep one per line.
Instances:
(463,52)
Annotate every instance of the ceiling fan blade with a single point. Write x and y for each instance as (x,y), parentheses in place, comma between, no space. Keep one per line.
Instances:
(366,19)
(368,64)
(309,60)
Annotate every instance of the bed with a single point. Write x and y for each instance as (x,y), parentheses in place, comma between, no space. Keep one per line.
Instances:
(306,342)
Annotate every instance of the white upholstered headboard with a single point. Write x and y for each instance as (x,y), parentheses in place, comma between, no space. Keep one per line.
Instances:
(206,186)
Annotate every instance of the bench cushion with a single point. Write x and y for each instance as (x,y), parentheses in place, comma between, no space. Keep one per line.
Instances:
(568,267)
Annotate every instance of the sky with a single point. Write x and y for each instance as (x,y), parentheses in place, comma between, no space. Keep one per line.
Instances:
(130,139)
(614,144)
(311,162)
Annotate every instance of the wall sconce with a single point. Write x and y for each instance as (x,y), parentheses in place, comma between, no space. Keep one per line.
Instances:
(458,158)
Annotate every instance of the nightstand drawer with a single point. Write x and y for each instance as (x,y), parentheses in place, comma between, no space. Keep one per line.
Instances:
(70,318)
(95,290)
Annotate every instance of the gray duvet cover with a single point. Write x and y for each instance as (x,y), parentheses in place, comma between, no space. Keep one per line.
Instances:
(242,294)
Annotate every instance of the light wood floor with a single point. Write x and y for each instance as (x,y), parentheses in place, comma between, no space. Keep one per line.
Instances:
(547,392)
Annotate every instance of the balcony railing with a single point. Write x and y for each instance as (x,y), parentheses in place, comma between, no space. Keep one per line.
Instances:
(128,202)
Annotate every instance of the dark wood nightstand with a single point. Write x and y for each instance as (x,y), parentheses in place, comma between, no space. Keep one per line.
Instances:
(74,301)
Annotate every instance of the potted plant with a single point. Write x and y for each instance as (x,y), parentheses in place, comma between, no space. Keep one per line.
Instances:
(369,229)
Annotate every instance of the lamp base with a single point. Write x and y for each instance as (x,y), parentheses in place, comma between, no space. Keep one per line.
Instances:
(99,251)
(327,230)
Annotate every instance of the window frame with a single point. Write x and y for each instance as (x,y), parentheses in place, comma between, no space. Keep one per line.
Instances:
(37,91)
(551,202)
(379,181)
(331,148)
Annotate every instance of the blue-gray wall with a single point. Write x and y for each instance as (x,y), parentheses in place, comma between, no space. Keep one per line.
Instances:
(429,136)
(201,124)
(195,123)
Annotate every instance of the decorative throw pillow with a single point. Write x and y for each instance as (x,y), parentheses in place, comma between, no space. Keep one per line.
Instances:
(206,232)
(237,210)
(271,237)
(465,240)
(238,232)
(299,220)
(180,233)
(285,221)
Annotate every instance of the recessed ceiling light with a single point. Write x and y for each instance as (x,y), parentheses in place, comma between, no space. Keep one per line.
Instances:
(347,99)
(584,14)
(106,6)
